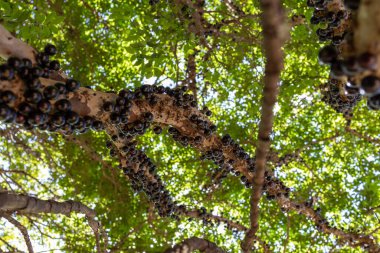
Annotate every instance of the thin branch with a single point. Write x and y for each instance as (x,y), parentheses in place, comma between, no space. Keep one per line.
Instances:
(20,227)
(363,136)
(29,175)
(274,32)
(10,247)
(192,75)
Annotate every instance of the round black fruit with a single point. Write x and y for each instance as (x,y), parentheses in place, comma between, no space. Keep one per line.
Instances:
(72,117)
(370,84)
(33,96)
(50,49)
(7,97)
(63,105)
(44,106)
(51,92)
(58,119)
(61,88)
(72,85)
(14,62)
(157,130)
(54,65)
(374,102)
(328,54)
(25,108)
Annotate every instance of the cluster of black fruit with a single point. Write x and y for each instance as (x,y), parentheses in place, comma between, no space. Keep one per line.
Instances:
(183,139)
(45,108)
(334,20)
(274,188)
(225,166)
(203,125)
(339,96)
(287,159)
(351,67)
(139,168)
(154,189)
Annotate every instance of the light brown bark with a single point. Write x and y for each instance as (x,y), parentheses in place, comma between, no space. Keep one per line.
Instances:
(274,31)
(24,204)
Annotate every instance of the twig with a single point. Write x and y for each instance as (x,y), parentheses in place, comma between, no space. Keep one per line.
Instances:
(216,218)
(29,175)
(12,249)
(362,136)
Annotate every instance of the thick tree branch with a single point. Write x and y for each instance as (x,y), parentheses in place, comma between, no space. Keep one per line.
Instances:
(195,243)
(24,204)
(367,25)
(274,32)
(10,46)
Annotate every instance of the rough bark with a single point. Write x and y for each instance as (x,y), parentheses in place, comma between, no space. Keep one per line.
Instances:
(194,243)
